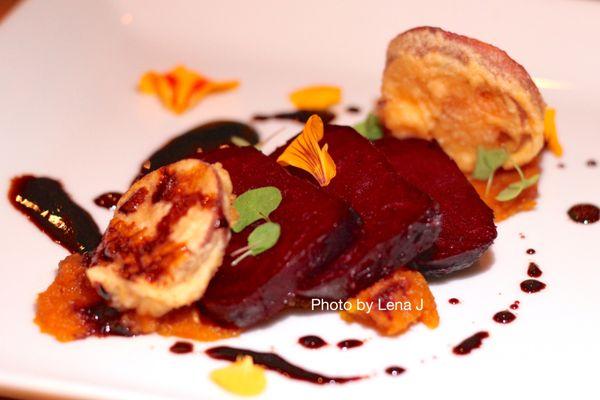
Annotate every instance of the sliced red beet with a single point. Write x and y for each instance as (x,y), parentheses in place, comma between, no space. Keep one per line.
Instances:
(467,222)
(399,221)
(315,228)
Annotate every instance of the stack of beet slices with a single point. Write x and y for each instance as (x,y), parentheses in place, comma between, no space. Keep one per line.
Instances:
(392,203)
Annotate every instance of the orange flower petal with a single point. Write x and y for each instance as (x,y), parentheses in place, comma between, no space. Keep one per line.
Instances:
(550,132)
(316,97)
(181,88)
(304,153)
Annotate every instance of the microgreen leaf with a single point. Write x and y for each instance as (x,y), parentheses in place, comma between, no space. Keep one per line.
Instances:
(513,190)
(370,127)
(256,204)
(262,238)
(488,161)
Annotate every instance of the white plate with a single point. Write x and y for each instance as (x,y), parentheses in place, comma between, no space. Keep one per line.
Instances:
(69,109)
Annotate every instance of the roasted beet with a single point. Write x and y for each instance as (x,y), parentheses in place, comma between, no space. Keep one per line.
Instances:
(315,229)
(467,223)
(399,221)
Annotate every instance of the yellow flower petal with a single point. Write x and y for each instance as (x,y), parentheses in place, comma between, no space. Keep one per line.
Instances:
(316,97)
(550,132)
(181,88)
(243,377)
(304,153)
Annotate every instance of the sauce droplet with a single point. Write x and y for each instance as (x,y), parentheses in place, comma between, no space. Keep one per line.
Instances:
(312,342)
(182,347)
(533,270)
(277,363)
(45,203)
(515,305)
(299,115)
(453,300)
(530,251)
(504,317)
(349,344)
(394,370)
(532,286)
(353,109)
(584,213)
(108,200)
(470,343)
(591,163)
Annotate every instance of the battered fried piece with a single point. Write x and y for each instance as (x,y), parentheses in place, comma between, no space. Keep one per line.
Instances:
(462,92)
(524,202)
(467,222)
(397,301)
(63,311)
(166,239)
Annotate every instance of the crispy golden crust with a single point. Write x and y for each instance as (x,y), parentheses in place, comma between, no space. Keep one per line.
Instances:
(166,239)
(463,93)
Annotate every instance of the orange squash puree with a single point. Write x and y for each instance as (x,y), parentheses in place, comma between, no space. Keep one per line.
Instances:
(405,286)
(61,311)
(524,202)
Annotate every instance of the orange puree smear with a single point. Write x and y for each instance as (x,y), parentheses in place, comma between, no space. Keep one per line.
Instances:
(524,202)
(61,311)
(402,287)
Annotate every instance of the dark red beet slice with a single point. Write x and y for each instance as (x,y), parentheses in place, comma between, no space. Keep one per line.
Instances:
(399,221)
(315,228)
(467,222)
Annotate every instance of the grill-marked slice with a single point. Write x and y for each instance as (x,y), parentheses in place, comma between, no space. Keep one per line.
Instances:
(399,221)
(315,229)
(467,222)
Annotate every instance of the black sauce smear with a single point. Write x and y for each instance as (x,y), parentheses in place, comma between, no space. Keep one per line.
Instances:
(299,115)
(276,363)
(46,204)
(207,137)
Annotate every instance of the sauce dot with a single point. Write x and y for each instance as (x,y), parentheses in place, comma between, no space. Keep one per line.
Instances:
(181,348)
(530,251)
(349,344)
(312,342)
(470,343)
(504,317)
(533,270)
(394,370)
(584,213)
(453,300)
(591,163)
(532,286)
(515,305)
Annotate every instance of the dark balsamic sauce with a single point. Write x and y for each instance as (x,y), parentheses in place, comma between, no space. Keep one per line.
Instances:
(504,317)
(353,109)
(181,347)
(349,344)
(299,115)
(532,286)
(591,163)
(515,305)
(108,200)
(276,363)
(205,137)
(453,300)
(530,251)
(312,342)
(470,343)
(105,320)
(584,213)
(46,204)
(394,370)
(561,166)
(534,270)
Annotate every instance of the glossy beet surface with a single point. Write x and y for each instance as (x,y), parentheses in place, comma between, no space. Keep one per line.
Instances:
(315,228)
(467,222)
(399,221)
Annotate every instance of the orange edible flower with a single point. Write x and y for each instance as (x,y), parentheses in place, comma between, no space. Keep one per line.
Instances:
(181,88)
(304,153)
(550,132)
(316,97)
